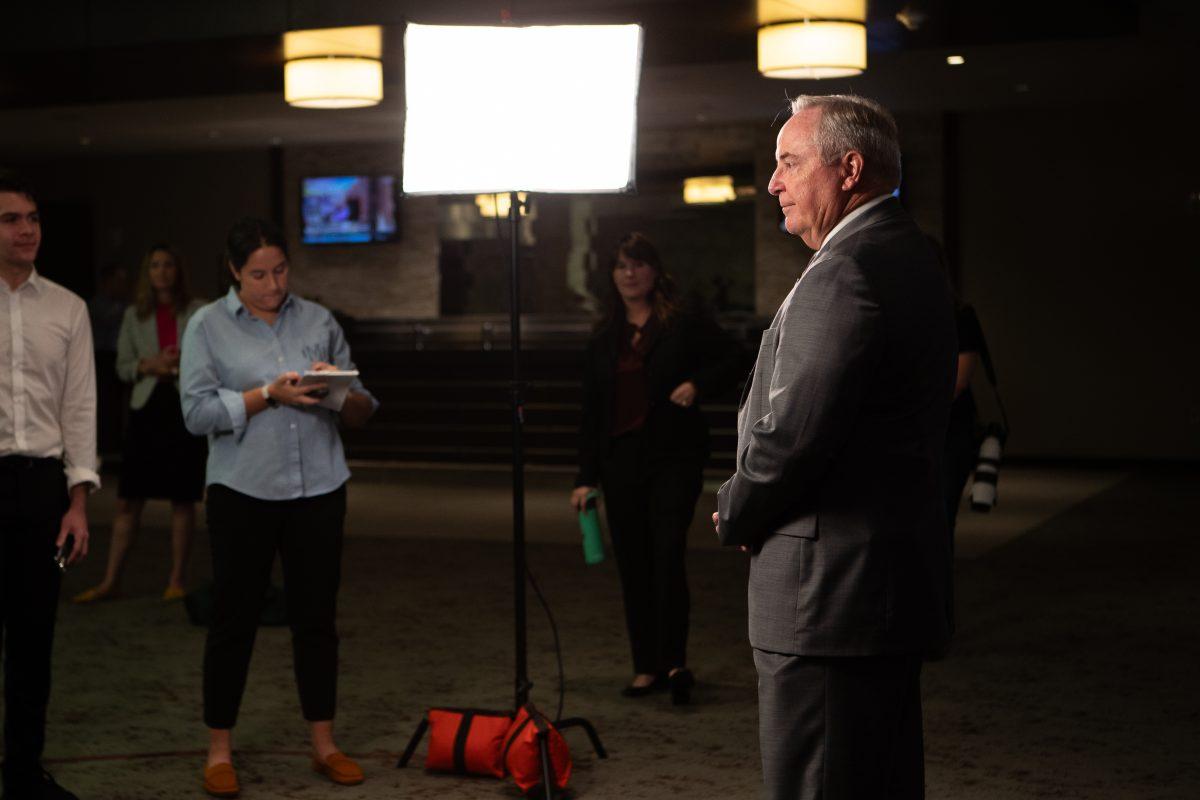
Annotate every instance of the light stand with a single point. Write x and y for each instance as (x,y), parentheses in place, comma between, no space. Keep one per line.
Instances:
(517,400)
(522,683)
(525,146)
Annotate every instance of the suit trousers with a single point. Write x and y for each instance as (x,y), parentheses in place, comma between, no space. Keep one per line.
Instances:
(246,533)
(33,499)
(840,728)
(650,504)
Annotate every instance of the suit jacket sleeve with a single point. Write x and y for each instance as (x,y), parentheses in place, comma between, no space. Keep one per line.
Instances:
(826,345)
(127,354)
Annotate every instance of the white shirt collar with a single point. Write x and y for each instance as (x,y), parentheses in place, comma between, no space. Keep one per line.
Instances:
(858,212)
(33,282)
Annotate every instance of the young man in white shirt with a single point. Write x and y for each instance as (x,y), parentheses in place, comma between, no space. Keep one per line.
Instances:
(47,468)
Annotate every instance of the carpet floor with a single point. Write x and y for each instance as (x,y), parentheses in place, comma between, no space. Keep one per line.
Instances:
(1073,675)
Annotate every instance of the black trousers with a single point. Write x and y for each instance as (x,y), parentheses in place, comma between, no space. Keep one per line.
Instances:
(246,533)
(840,728)
(650,504)
(959,458)
(33,499)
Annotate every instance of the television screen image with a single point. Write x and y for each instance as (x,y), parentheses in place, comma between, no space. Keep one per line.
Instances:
(337,209)
(386,229)
(350,209)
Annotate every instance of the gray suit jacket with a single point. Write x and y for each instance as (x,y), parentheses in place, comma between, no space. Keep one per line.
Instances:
(138,339)
(840,437)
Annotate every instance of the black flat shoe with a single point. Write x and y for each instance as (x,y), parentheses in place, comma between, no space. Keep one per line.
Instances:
(659,684)
(682,682)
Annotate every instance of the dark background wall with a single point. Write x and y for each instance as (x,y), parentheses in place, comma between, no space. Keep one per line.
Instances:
(396,279)
(1073,229)
(1078,248)
(112,208)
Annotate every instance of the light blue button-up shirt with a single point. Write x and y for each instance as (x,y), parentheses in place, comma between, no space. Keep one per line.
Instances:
(280,453)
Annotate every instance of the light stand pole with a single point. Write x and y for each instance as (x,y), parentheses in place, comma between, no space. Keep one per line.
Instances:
(517,397)
(517,394)
(521,684)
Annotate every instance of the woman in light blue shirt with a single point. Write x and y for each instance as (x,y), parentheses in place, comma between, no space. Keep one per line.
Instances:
(276,475)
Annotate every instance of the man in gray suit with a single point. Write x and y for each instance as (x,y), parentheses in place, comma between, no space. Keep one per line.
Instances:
(837,493)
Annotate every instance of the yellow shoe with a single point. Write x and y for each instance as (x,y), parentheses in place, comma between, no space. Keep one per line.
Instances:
(339,768)
(221,781)
(173,593)
(93,595)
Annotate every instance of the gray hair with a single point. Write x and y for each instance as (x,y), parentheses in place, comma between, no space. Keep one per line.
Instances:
(849,122)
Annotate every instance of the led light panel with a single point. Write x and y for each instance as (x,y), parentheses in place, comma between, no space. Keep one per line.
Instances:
(539,109)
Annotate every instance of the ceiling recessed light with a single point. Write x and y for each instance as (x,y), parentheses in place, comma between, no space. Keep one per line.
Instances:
(955,61)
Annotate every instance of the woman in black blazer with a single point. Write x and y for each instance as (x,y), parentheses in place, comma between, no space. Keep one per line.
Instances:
(644,439)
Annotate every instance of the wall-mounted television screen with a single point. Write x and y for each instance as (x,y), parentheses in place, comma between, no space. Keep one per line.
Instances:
(349,209)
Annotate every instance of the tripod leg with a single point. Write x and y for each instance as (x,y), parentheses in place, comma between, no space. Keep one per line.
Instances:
(580,722)
(547,766)
(412,743)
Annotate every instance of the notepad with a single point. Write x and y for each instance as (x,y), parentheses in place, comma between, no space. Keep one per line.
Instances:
(337,382)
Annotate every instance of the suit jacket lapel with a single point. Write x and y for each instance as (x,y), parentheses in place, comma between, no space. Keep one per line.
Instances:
(774,324)
(746,387)
(150,331)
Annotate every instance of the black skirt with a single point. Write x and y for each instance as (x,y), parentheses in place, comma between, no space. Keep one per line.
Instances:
(162,460)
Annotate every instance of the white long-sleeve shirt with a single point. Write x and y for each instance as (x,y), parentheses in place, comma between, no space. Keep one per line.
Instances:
(48,377)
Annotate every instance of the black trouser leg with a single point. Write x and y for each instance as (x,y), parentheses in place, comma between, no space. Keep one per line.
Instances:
(650,507)
(959,458)
(33,499)
(958,461)
(244,532)
(311,549)
(674,489)
(840,728)
(627,505)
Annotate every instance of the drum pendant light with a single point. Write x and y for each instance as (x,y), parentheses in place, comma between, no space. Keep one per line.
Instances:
(812,39)
(333,67)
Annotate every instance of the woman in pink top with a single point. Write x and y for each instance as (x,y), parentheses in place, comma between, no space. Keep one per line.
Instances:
(161,459)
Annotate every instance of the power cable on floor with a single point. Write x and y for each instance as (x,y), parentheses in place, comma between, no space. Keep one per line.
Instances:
(557,646)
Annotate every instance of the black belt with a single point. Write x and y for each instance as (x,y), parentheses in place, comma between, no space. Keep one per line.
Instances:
(29,462)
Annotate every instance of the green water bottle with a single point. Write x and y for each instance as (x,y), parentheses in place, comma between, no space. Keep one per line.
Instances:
(589,526)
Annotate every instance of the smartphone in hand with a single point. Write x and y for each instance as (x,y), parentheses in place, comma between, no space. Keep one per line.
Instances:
(60,557)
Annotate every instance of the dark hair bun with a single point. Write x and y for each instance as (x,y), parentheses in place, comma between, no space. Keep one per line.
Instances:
(249,234)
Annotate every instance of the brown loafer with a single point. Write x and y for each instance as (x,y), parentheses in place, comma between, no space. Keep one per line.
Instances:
(339,768)
(94,595)
(221,781)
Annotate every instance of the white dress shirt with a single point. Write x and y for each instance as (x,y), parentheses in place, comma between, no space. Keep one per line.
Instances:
(846,220)
(48,377)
